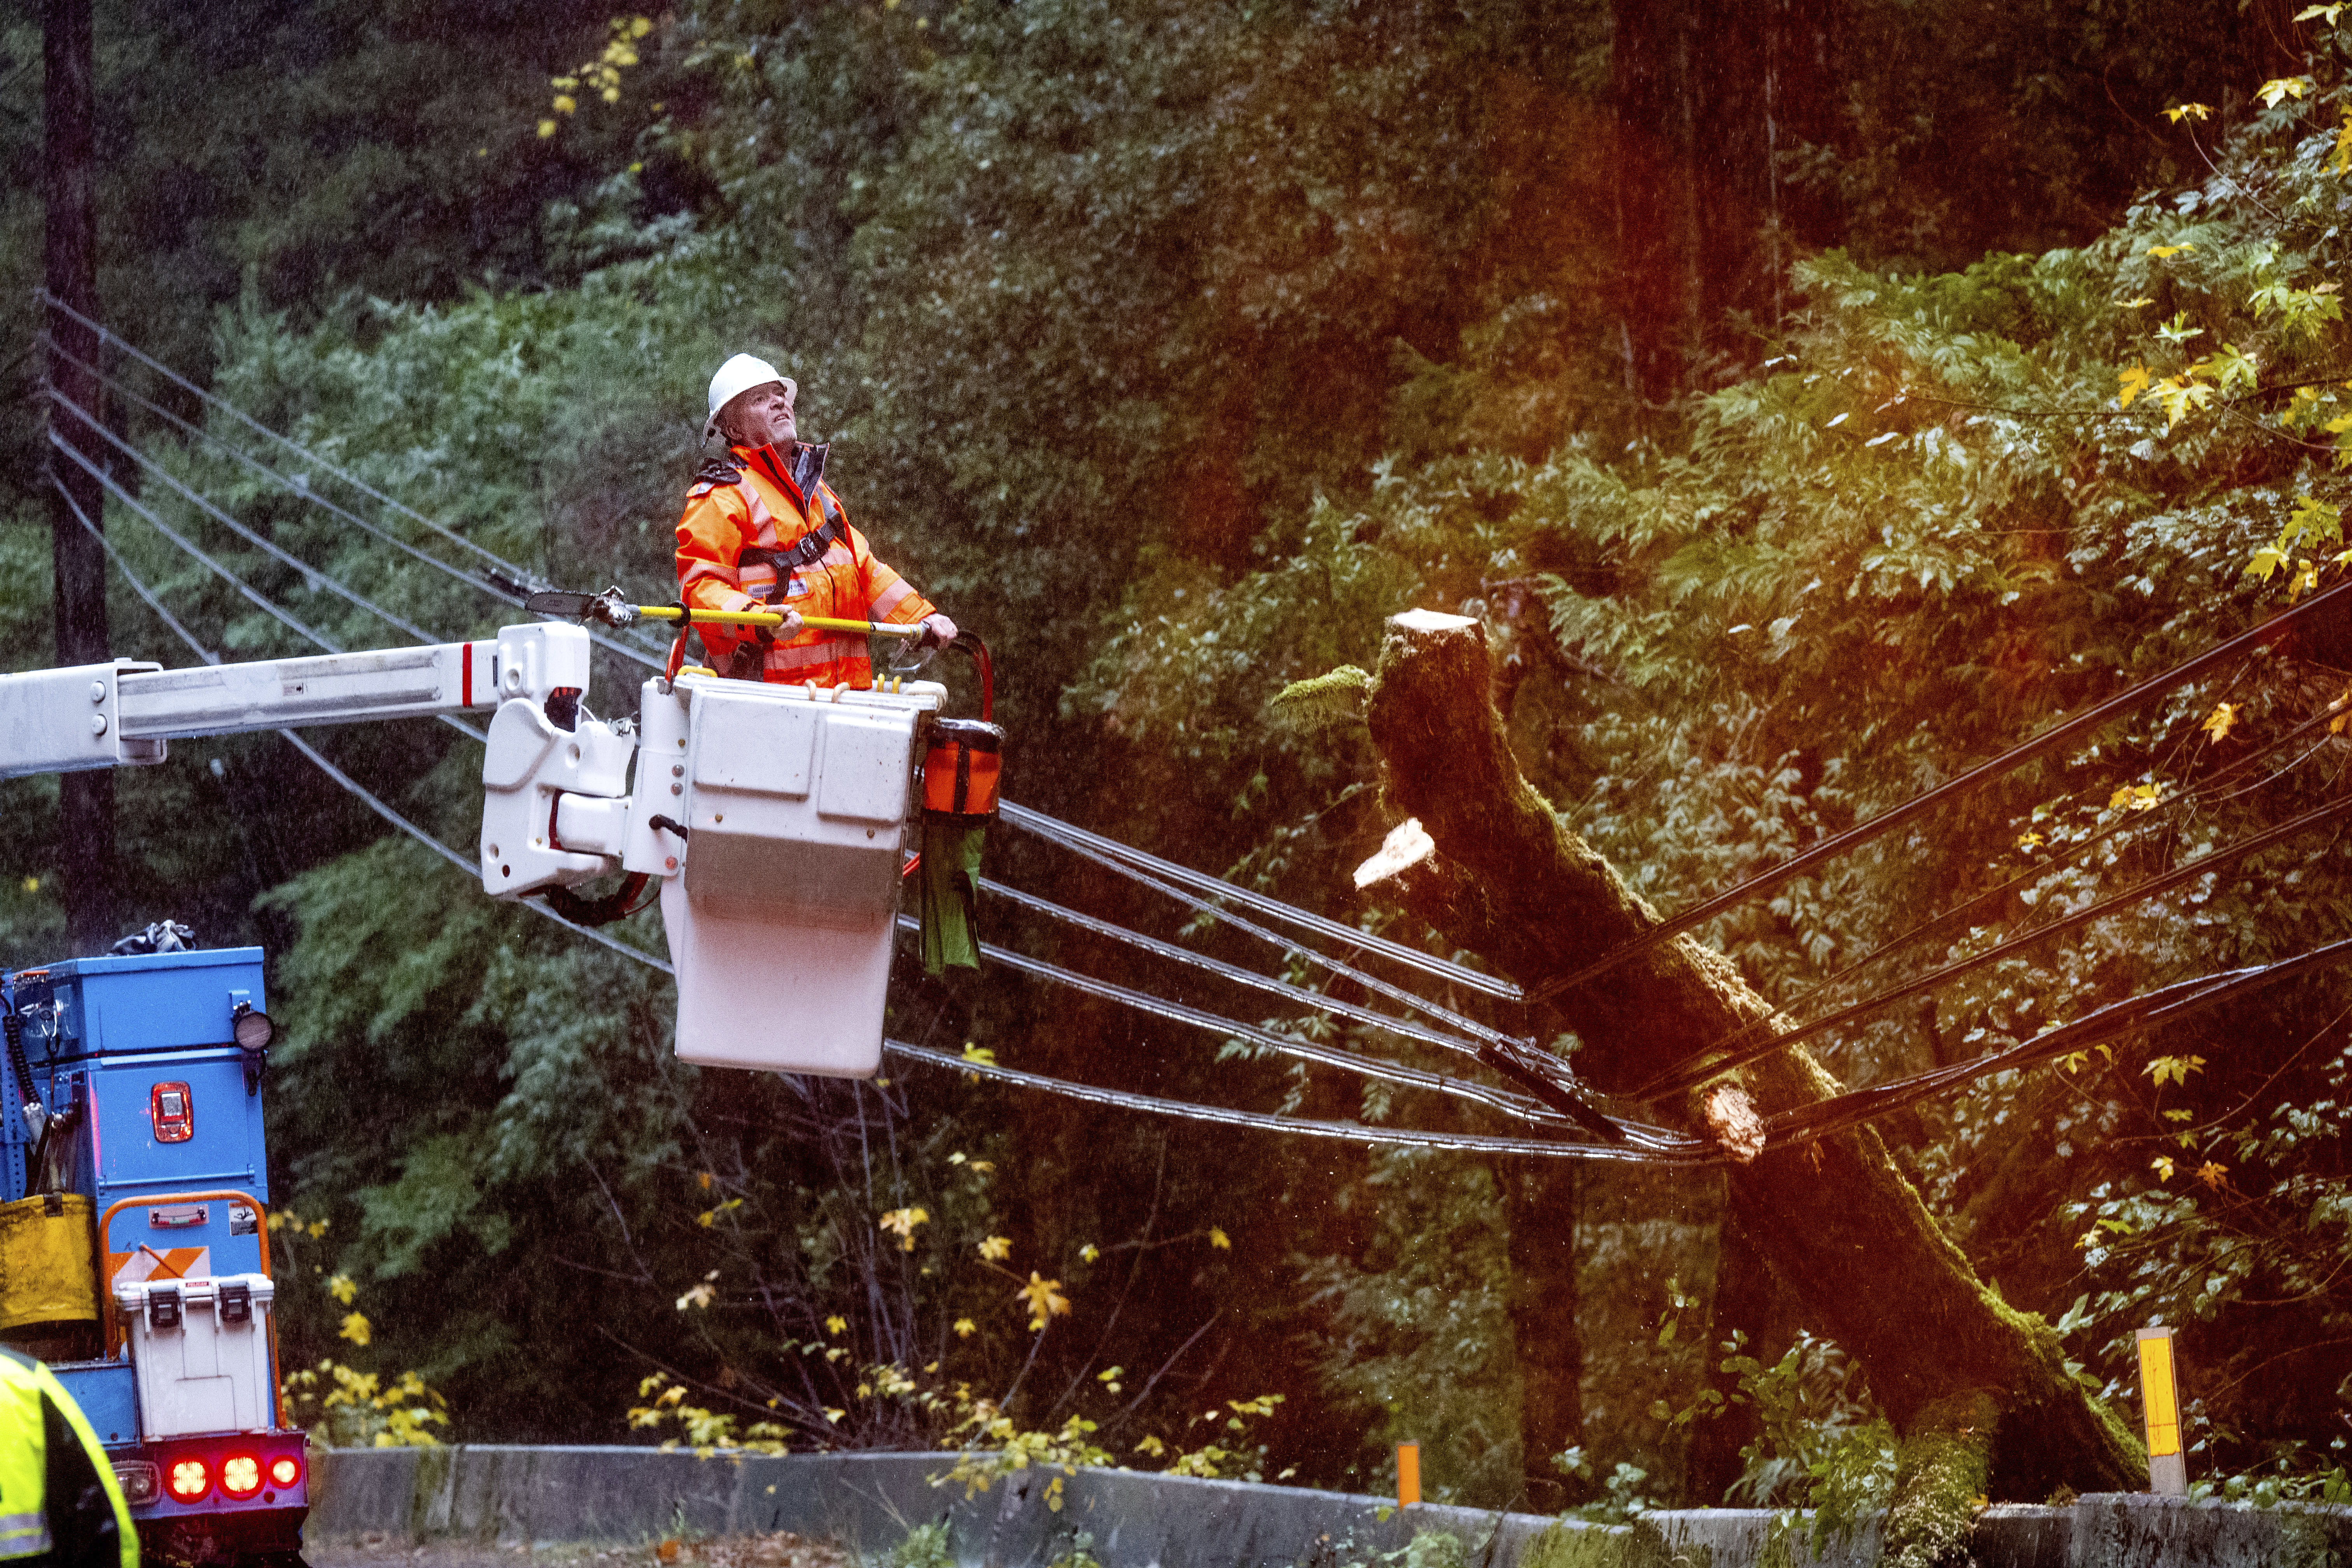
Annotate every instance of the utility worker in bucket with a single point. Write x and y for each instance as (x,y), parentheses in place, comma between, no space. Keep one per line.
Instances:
(59,1505)
(763,531)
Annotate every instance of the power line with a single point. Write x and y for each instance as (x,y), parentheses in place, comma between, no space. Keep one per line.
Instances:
(1691,1074)
(302,491)
(1319,1001)
(1100,850)
(1293,1126)
(311,575)
(2206,789)
(270,606)
(2052,739)
(106,335)
(2152,1010)
(1072,837)
(366,798)
(1516,1106)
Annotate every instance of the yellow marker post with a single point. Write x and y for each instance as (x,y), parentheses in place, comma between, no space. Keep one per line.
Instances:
(2159,1390)
(1408,1474)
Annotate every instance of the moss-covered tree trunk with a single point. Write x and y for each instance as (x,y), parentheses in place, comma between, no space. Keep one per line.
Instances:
(1947,1361)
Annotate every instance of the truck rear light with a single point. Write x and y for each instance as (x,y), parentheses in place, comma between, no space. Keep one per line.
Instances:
(189,1480)
(240,1475)
(285,1471)
(174,1112)
(138,1480)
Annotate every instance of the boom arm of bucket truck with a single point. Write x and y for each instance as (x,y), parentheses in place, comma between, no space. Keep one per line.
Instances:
(773,816)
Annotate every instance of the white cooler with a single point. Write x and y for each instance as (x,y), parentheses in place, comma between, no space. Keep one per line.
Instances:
(200,1352)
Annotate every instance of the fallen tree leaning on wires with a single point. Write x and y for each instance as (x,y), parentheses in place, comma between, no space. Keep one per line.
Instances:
(1979,1390)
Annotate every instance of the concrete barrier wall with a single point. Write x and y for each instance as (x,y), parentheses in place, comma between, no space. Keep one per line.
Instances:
(870,1502)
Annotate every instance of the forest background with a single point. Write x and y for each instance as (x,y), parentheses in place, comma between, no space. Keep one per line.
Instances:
(1811,400)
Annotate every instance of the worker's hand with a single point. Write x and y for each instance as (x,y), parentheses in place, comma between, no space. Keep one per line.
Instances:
(937,631)
(791,626)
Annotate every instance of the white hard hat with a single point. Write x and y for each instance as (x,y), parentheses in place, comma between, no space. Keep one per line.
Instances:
(740,375)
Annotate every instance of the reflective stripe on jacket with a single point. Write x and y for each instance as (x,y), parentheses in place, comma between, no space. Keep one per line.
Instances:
(58,1491)
(762,510)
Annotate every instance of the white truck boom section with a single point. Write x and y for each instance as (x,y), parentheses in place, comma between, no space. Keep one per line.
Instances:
(774,816)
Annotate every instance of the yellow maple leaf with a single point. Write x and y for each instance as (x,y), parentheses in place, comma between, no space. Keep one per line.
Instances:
(2167,252)
(2162,1166)
(2217,723)
(1043,1300)
(2029,841)
(901,1223)
(965,1327)
(996,1248)
(355,1328)
(1219,1239)
(2282,86)
(835,1323)
(2213,1173)
(2130,384)
(2134,304)
(342,1289)
(2188,111)
(1090,1252)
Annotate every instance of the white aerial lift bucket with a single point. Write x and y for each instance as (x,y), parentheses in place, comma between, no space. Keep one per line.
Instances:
(781,911)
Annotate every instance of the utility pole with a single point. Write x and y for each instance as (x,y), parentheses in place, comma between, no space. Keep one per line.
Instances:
(70,103)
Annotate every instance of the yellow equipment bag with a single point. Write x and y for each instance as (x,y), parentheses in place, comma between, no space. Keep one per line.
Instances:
(49,1267)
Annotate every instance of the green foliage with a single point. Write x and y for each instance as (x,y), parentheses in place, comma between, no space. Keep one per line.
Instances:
(1174,348)
(1639,1545)
(1419,1342)
(926,1546)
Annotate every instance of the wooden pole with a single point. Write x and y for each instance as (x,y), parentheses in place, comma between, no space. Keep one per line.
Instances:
(86,800)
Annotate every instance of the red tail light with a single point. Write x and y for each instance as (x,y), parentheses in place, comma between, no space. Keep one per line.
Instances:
(285,1471)
(188,1479)
(240,1475)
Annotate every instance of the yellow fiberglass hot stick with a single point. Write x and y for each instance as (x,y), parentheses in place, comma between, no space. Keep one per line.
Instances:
(614,610)
(771,618)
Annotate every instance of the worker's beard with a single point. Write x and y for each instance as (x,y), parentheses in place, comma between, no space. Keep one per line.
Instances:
(780,431)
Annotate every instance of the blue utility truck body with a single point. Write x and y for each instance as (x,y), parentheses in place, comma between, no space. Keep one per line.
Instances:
(153,1165)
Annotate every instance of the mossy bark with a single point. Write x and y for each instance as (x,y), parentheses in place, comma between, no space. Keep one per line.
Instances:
(1844,1229)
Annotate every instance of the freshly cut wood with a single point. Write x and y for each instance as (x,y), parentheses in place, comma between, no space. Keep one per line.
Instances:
(1947,1359)
(1408,845)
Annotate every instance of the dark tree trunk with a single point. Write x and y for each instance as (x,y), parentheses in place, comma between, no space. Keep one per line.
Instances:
(86,800)
(1539,1198)
(1708,100)
(1947,1361)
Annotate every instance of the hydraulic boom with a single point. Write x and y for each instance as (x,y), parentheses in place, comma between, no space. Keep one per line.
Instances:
(774,817)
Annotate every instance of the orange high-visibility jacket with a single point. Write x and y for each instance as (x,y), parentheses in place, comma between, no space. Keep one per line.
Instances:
(764,510)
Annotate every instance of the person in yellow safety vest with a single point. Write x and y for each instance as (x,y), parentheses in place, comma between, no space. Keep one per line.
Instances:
(763,531)
(59,1505)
